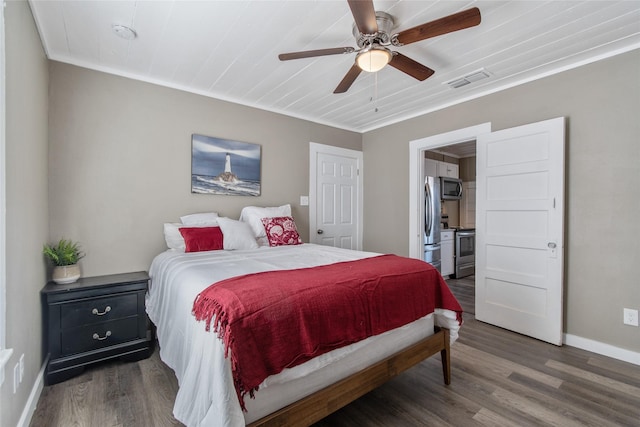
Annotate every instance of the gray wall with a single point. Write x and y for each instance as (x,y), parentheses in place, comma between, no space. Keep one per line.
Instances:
(120,162)
(468,169)
(601,102)
(27,210)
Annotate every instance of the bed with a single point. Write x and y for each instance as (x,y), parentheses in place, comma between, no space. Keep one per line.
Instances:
(298,395)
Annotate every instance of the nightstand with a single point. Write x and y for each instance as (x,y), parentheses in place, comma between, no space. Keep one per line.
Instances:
(94,319)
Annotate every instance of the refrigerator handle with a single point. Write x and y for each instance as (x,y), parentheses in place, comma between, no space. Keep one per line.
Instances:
(428,217)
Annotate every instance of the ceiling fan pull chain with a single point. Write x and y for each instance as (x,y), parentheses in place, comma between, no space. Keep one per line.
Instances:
(375,93)
(372,98)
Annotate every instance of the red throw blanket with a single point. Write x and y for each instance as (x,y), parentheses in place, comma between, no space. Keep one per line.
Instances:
(279,319)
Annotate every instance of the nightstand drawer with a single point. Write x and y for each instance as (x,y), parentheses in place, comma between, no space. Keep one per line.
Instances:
(99,335)
(98,310)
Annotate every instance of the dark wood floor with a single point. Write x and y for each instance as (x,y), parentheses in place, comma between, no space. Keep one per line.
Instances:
(465,291)
(499,378)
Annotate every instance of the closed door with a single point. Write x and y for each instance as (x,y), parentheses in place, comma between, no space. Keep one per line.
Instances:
(336,197)
(519,229)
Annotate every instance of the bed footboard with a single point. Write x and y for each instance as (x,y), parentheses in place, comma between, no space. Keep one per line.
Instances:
(317,406)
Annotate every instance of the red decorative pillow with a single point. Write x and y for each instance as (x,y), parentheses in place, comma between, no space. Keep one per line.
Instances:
(281,230)
(199,239)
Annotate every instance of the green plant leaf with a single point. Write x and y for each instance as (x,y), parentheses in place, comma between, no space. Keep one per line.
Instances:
(65,252)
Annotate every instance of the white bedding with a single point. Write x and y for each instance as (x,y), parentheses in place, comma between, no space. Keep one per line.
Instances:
(206,395)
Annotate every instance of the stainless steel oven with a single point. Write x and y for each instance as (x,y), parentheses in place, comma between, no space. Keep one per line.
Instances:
(465,254)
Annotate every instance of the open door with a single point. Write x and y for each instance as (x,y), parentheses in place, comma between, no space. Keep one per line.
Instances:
(519,229)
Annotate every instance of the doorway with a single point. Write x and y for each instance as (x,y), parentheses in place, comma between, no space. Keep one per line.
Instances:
(450,143)
(416,170)
(458,144)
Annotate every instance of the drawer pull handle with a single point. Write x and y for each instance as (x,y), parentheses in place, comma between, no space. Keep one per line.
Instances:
(99,338)
(98,313)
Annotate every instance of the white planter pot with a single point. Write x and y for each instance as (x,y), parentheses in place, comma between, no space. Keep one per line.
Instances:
(65,274)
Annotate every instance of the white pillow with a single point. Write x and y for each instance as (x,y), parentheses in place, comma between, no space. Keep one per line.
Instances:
(208,218)
(173,237)
(253,216)
(237,235)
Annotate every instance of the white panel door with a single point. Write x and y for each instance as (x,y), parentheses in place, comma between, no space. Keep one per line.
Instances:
(337,199)
(519,229)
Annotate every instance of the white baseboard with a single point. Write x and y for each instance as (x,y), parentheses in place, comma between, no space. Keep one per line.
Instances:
(602,348)
(34,396)
(5,356)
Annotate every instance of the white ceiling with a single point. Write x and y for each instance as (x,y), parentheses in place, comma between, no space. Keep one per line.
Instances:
(460,150)
(229,50)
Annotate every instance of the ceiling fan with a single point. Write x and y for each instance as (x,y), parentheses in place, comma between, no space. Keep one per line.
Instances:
(372,31)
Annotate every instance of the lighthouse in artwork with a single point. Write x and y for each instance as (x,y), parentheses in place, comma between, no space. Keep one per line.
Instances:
(227,175)
(227,163)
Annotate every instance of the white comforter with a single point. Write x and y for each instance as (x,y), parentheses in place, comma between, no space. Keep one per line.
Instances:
(206,395)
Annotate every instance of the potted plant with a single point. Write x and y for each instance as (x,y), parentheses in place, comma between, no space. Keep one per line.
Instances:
(65,256)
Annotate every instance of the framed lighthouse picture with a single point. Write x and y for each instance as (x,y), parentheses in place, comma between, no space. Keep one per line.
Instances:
(224,166)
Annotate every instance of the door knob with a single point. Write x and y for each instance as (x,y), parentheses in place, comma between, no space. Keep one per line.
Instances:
(551,245)
(320,231)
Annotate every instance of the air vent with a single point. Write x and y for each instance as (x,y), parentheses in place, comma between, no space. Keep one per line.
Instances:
(478,75)
(458,83)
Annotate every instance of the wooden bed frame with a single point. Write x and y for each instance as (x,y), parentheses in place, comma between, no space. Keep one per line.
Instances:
(316,406)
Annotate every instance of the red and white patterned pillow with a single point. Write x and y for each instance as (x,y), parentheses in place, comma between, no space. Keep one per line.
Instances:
(281,230)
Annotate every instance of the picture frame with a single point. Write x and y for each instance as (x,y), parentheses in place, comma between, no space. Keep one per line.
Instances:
(225,166)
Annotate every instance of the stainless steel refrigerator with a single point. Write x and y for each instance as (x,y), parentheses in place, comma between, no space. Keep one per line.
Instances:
(432,221)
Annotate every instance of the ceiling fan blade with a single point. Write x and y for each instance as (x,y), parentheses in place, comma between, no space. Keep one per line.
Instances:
(365,16)
(348,79)
(312,53)
(457,21)
(411,67)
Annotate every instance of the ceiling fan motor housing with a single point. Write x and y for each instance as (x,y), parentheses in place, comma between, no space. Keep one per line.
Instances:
(382,37)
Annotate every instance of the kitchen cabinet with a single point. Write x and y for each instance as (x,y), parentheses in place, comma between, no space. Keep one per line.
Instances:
(449,170)
(447,247)
(430,167)
(438,168)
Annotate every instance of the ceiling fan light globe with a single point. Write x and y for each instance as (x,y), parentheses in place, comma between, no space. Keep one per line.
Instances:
(373,60)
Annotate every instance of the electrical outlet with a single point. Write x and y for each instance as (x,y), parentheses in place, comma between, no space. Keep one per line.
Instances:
(630,317)
(16,377)
(21,367)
